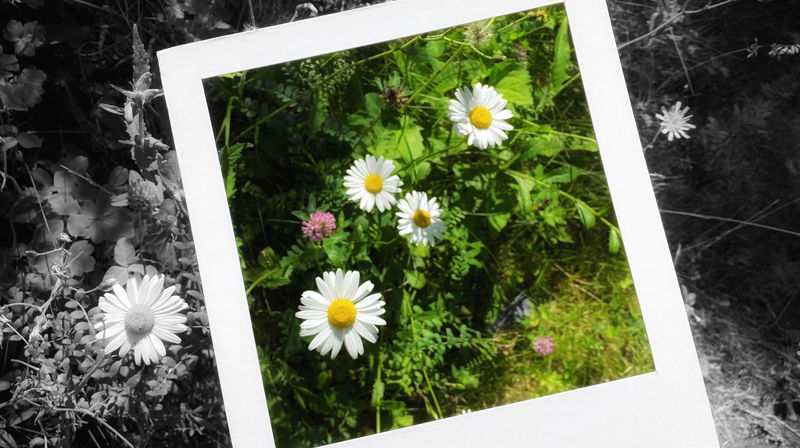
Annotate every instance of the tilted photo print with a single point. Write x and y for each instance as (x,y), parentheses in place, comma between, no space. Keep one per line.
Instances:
(424,228)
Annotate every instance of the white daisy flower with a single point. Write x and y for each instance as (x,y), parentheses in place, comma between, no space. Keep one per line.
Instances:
(341,313)
(371,182)
(480,114)
(674,122)
(141,318)
(419,217)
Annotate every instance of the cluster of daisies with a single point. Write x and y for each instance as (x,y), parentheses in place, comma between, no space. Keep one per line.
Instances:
(344,311)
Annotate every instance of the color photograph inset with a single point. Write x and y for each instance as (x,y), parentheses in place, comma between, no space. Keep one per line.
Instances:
(425,229)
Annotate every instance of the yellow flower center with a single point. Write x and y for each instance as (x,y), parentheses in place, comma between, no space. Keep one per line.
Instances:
(480,117)
(422,218)
(139,321)
(341,313)
(373,183)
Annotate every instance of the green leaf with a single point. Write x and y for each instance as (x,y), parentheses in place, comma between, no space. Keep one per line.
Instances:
(421,171)
(435,48)
(415,279)
(514,82)
(409,142)
(373,104)
(401,421)
(499,221)
(337,253)
(229,159)
(377,392)
(549,144)
(586,214)
(421,251)
(303,216)
(613,241)
(561,58)
(524,187)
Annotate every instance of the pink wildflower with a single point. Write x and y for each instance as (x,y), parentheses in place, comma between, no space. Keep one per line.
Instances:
(544,345)
(320,225)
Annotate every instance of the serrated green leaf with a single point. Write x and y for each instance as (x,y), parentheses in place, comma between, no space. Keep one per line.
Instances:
(514,82)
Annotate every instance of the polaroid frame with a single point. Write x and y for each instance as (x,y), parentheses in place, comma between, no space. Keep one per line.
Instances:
(664,408)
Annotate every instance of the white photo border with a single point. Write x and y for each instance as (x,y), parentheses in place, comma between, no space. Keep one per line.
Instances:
(666,408)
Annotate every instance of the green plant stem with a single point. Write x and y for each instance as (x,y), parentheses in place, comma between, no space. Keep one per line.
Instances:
(470,46)
(378,402)
(433,394)
(553,131)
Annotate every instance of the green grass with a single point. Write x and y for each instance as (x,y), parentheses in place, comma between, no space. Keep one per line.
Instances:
(591,311)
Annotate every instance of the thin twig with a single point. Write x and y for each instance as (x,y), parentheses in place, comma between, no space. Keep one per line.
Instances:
(672,19)
(738,221)
(651,32)
(680,57)
(90,181)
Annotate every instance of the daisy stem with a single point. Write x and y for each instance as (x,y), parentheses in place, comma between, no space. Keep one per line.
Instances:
(378,401)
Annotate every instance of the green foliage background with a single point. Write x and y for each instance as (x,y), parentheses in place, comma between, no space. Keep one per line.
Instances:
(533,216)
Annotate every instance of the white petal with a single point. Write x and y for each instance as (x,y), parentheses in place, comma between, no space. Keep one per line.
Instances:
(351,280)
(338,288)
(158,345)
(324,288)
(166,335)
(353,344)
(122,295)
(116,342)
(321,338)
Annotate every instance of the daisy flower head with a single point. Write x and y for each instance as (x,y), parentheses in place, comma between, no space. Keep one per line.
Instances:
(341,312)
(370,182)
(319,226)
(674,122)
(419,218)
(481,115)
(141,318)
